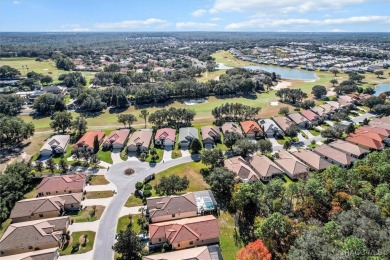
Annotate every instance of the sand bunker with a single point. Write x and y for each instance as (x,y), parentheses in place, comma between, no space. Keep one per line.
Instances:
(282,84)
(274,103)
(192,102)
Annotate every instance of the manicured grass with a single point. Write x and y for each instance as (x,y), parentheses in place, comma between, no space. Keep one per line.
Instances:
(160,153)
(228,59)
(4,226)
(86,214)
(229,245)
(98,180)
(176,154)
(124,222)
(314,132)
(105,156)
(75,239)
(98,194)
(65,156)
(133,201)
(312,146)
(210,75)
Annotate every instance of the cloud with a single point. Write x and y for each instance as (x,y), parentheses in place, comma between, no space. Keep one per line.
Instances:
(194,25)
(69,27)
(199,12)
(284,6)
(216,19)
(134,24)
(16,2)
(273,23)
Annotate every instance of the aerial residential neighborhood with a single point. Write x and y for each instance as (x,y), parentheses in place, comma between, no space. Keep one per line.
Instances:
(202,130)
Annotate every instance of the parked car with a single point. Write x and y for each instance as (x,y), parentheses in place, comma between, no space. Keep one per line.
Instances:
(149,178)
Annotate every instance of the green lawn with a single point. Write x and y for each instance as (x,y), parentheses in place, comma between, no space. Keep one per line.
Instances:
(314,132)
(124,222)
(65,156)
(75,239)
(4,226)
(99,194)
(160,153)
(98,180)
(86,215)
(176,154)
(105,156)
(229,245)
(133,201)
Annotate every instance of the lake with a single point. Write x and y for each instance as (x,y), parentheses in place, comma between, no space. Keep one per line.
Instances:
(287,73)
(381,88)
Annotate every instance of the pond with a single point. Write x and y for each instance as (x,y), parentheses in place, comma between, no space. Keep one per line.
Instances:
(287,73)
(381,88)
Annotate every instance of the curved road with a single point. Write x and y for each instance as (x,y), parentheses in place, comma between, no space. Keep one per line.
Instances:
(125,185)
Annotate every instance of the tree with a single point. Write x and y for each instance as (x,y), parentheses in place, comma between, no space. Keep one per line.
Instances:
(46,79)
(221,182)
(335,71)
(10,105)
(65,64)
(196,146)
(61,121)
(292,131)
(14,130)
(382,109)
(9,72)
(63,166)
(126,119)
(51,165)
(144,114)
(39,166)
(319,91)
(230,139)
(246,147)
(378,73)
(334,82)
(172,184)
(265,146)
(80,125)
(287,144)
(96,144)
(128,245)
(254,251)
(212,157)
(48,104)
(350,128)
(373,101)
(284,111)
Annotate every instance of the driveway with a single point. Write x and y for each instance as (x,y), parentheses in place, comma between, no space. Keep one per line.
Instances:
(307,132)
(185,152)
(92,202)
(105,236)
(275,145)
(167,155)
(116,156)
(131,210)
(362,117)
(84,226)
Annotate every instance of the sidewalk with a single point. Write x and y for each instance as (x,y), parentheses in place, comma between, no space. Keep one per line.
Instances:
(92,202)
(131,210)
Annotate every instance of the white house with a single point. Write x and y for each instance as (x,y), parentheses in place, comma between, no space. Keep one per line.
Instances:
(56,144)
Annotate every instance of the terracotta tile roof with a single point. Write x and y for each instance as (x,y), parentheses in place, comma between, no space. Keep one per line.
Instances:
(264,167)
(202,228)
(292,165)
(367,133)
(283,122)
(33,233)
(141,137)
(25,208)
(88,138)
(165,134)
(61,183)
(231,127)
(210,132)
(365,141)
(312,159)
(333,154)
(118,137)
(349,148)
(251,127)
(162,206)
(375,129)
(310,115)
(241,167)
(297,118)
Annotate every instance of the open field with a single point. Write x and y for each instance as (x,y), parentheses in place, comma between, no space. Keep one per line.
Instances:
(228,59)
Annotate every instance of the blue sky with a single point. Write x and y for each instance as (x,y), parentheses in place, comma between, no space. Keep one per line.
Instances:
(195,15)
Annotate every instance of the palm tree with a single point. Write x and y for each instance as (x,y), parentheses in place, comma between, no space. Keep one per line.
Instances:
(144,114)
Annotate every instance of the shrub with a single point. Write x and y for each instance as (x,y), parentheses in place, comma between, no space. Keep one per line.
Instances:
(129,171)
(75,247)
(147,193)
(139,185)
(147,187)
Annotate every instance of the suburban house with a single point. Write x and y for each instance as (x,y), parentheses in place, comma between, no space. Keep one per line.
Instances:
(241,168)
(56,144)
(311,116)
(294,168)
(45,207)
(57,185)
(45,254)
(328,109)
(140,140)
(33,235)
(54,89)
(336,105)
(251,129)
(334,156)
(231,127)
(264,167)
(383,122)
(349,148)
(299,120)
(192,204)
(311,159)
(210,135)
(270,128)
(165,137)
(197,253)
(186,135)
(86,142)
(117,139)
(319,111)
(365,141)
(283,122)
(375,129)
(185,233)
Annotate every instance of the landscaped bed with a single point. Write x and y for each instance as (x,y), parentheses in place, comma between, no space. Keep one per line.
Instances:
(99,194)
(75,239)
(88,214)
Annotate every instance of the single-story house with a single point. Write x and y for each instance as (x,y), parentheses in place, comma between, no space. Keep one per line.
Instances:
(328,109)
(320,111)
(45,207)
(283,122)
(44,254)
(57,185)
(383,122)
(165,137)
(86,142)
(210,135)
(192,204)
(185,233)
(334,156)
(349,148)
(186,135)
(251,129)
(270,128)
(299,120)
(311,116)
(241,168)
(56,144)
(264,167)
(140,140)
(54,89)
(294,168)
(365,141)
(197,253)
(375,129)
(33,235)
(336,105)
(231,127)
(117,139)
(311,159)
